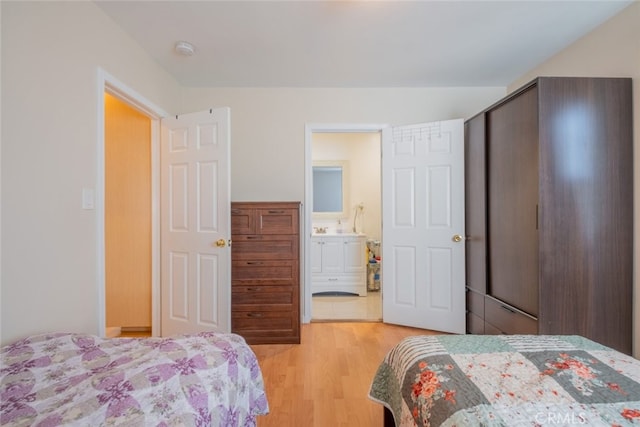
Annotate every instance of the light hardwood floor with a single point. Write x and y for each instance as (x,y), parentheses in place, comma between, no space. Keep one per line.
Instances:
(325,380)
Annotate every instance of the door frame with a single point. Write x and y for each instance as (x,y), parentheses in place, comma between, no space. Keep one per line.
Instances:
(309,130)
(109,84)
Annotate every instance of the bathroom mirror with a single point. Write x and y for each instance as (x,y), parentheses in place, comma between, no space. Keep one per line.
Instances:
(330,189)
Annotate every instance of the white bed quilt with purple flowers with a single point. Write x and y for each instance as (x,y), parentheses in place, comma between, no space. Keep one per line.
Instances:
(208,379)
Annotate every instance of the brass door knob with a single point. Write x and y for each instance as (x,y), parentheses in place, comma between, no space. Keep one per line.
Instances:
(457,238)
(221,243)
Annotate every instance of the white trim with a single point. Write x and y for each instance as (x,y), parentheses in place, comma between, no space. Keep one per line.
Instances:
(309,130)
(109,84)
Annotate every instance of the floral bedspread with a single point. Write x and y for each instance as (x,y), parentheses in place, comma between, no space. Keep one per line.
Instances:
(507,380)
(208,379)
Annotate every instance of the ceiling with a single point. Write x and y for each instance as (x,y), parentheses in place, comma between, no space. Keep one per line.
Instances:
(356,43)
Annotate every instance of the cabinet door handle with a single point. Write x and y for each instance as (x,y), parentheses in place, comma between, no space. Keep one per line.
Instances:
(508,309)
(276,212)
(254,237)
(254,263)
(253,289)
(255,315)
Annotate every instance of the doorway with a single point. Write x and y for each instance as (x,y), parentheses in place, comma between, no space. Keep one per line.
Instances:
(127,218)
(109,84)
(359,147)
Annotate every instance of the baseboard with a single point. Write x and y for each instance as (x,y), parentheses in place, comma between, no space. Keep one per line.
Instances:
(113,331)
(135,328)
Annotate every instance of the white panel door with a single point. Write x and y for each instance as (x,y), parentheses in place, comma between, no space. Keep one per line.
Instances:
(195,223)
(423,226)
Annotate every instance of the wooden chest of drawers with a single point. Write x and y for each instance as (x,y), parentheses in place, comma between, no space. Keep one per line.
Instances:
(265,271)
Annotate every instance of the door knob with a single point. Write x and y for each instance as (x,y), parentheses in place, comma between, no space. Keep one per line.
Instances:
(221,243)
(457,238)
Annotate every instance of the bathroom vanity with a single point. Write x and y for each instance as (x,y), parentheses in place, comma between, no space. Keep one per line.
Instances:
(338,263)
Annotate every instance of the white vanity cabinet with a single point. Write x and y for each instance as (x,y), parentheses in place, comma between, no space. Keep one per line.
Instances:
(338,264)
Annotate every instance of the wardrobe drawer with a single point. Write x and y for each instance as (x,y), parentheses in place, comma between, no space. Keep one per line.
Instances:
(250,297)
(264,272)
(489,329)
(475,324)
(475,302)
(507,319)
(258,247)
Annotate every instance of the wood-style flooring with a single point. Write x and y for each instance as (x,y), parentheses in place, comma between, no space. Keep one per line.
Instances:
(325,380)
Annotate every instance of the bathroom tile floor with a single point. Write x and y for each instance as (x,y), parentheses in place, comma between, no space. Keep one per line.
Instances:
(347,307)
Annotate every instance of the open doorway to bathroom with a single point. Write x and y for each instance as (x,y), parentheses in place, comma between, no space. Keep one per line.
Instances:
(345,244)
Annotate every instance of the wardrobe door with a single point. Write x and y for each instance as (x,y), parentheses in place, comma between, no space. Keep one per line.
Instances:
(586,214)
(475,204)
(475,223)
(512,175)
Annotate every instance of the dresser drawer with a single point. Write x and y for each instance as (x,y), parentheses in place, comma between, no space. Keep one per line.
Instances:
(259,247)
(265,218)
(243,220)
(262,327)
(277,220)
(507,319)
(264,272)
(264,297)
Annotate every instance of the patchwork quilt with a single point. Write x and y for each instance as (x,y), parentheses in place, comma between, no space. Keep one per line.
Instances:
(507,380)
(208,379)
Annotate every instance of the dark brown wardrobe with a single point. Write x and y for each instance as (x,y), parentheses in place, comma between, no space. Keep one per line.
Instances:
(549,211)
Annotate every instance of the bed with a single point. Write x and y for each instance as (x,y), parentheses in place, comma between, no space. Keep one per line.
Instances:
(206,379)
(506,380)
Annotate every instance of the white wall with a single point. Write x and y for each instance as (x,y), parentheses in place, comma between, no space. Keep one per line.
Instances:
(611,50)
(267,125)
(51,52)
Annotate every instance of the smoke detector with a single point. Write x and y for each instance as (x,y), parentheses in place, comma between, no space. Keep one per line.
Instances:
(185,48)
